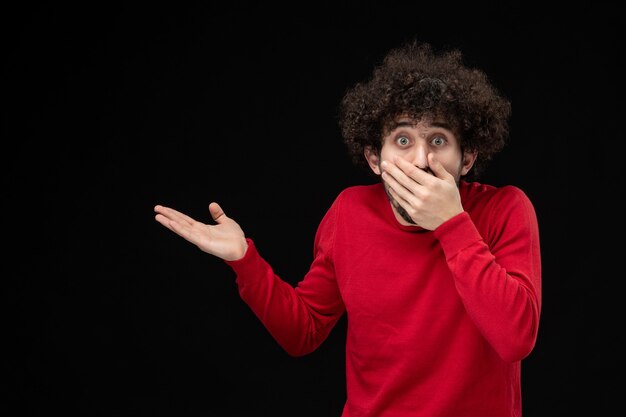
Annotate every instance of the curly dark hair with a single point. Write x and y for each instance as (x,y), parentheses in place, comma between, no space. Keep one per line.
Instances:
(415,81)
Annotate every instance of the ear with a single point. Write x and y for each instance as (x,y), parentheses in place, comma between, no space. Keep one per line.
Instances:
(468,162)
(373,159)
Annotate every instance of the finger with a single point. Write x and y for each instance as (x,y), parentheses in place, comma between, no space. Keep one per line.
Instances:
(437,168)
(168,223)
(416,174)
(398,188)
(391,170)
(175,221)
(217,213)
(400,199)
(174,215)
(162,219)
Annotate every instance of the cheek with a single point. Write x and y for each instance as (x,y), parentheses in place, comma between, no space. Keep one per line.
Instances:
(453,167)
(387,153)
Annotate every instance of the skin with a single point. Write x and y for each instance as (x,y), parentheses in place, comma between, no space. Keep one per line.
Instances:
(225,239)
(421,164)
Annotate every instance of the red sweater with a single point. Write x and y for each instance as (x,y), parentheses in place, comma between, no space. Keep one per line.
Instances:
(438,321)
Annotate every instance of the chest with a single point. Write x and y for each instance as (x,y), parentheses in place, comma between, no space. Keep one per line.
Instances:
(406,273)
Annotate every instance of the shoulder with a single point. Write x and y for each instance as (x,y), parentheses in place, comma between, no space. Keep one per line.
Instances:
(490,194)
(505,205)
(350,203)
(491,203)
(356,198)
(513,197)
(359,192)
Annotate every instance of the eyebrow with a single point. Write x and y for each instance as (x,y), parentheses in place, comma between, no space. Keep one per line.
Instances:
(441,125)
(396,125)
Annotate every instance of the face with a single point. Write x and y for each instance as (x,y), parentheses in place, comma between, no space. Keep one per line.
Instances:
(414,141)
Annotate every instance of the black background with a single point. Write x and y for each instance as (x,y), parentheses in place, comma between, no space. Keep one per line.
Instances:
(111,108)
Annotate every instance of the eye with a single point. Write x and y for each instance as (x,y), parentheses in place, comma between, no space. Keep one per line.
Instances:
(438,141)
(402,140)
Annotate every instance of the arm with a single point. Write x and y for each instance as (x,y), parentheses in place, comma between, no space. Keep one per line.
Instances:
(298,318)
(498,276)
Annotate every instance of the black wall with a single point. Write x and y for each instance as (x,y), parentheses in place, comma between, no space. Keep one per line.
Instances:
(112,108)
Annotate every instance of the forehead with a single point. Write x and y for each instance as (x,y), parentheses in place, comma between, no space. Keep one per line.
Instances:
(424,124)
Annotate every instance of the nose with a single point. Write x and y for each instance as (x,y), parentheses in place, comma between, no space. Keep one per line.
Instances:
(419,155)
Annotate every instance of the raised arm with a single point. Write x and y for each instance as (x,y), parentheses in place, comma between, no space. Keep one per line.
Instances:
(225,239)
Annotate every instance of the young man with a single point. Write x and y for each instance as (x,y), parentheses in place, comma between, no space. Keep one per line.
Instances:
(440,277)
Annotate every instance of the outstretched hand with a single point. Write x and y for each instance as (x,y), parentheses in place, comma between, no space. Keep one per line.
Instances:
(225,239)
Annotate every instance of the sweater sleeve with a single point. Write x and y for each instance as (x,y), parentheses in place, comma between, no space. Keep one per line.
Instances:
(498,276)
(301,317)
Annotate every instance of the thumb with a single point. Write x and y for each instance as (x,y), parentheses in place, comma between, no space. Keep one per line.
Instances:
(217,213)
